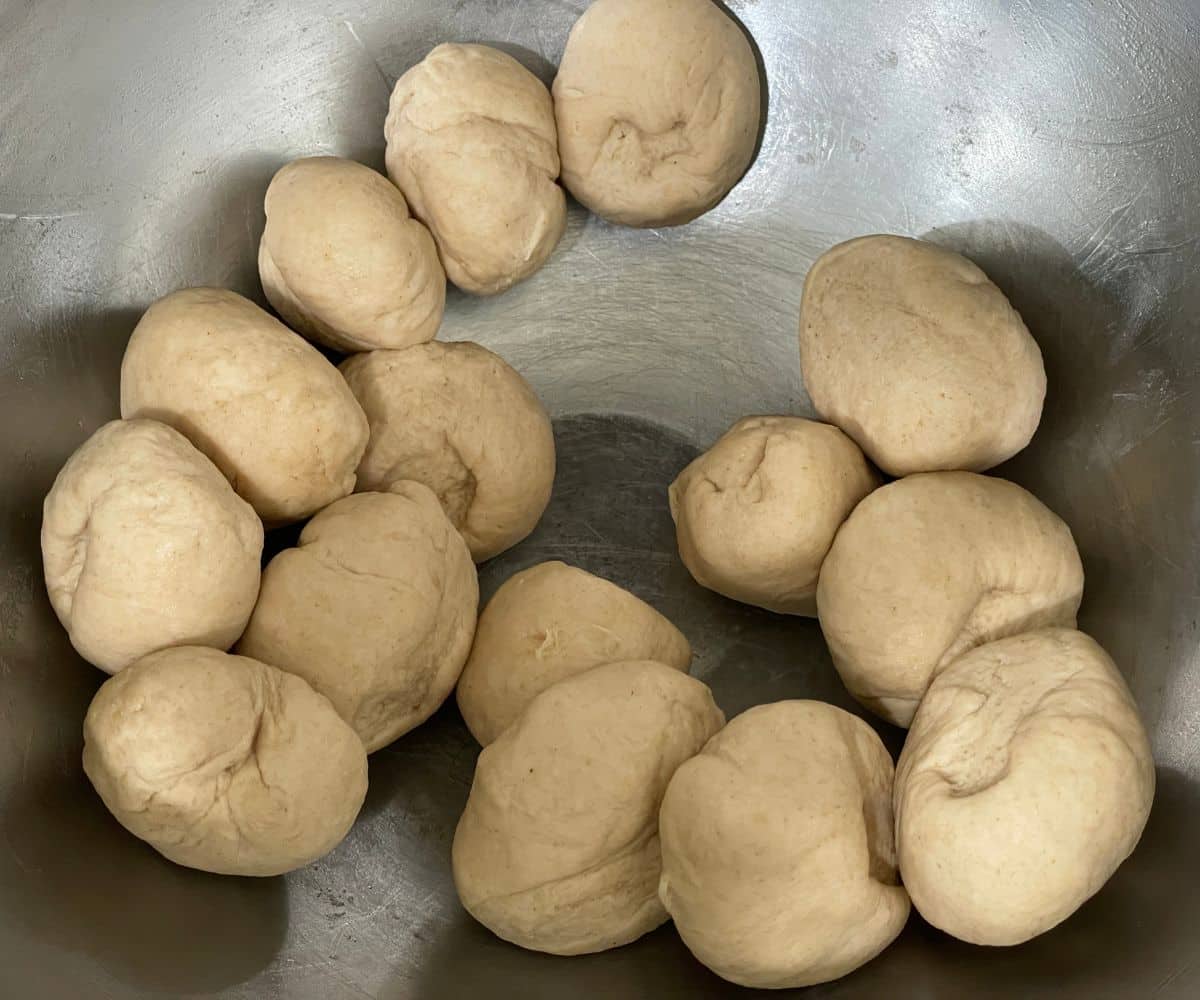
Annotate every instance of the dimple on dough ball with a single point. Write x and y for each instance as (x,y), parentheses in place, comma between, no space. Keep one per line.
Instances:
(458,419)
(375,608)
(1026,779)
(914,353)
(779,860)
(145,545)
(557,850)
(658,107)
(472,144)
(756,514)
(550,622)
(222,763)
(932,565)
(344,263)
(263,404)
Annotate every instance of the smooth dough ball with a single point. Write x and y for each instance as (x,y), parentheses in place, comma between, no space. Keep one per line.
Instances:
(557,849)
(914,353)
(658,107)
(550,622)
(343,262)
(472,144)
(265,406)
(458,419)
(779,861)
(222,763)
(756,514)
(1025,781)
(930,566)
(375,608)
(145,545)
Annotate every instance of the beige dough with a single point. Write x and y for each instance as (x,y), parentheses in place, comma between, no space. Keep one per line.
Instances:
(557,849)
(1025,781)
(222,763)
(145,545)
(471,142)
(756,513)
(264,405)
(914,353)
(931,566)
(550,622)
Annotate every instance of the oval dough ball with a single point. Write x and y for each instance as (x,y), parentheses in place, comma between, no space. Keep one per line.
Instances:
(779,861)
(265,406)
(756,514)
(471,142)
(914,353)
(145,545)
(458,419)
(557,849)
(931,566)
(222,763)
(658,107)
(550,622)
(1025,781)
(343,262)
(375,608)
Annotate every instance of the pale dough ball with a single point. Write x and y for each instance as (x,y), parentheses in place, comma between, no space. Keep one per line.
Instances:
(343,262)
(550,622)
(458,419)
(658,108)
(1025,781)
(914,353)
(222,763)
(145,545)
(756,514)
(779,860)
(472,144)
(557,849)
(375,608)
(930,566)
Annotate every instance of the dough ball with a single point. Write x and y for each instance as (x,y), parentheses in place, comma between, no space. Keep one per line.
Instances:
(557,850)
(222,763)
(914,353)
(471,142)
(550,622)
(343,262)
(1025,781)
(458,419)
(931,566)
(779,861)
(658,108)
(264,405)
(145,545)
(375,608)
(755,515)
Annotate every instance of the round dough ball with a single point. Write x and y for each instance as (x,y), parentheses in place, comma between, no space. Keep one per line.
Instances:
(550,622)
(458,419)
(931,566)
(779,861)
(1025,781)
(265,406)
(557,849)
(145,545)
(343,262)
(222,763)
(658,107)
(756,514)
(375,608)
(914,353)
(471,142)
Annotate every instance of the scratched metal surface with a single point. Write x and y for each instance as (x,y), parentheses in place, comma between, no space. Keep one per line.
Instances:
(1057,144)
